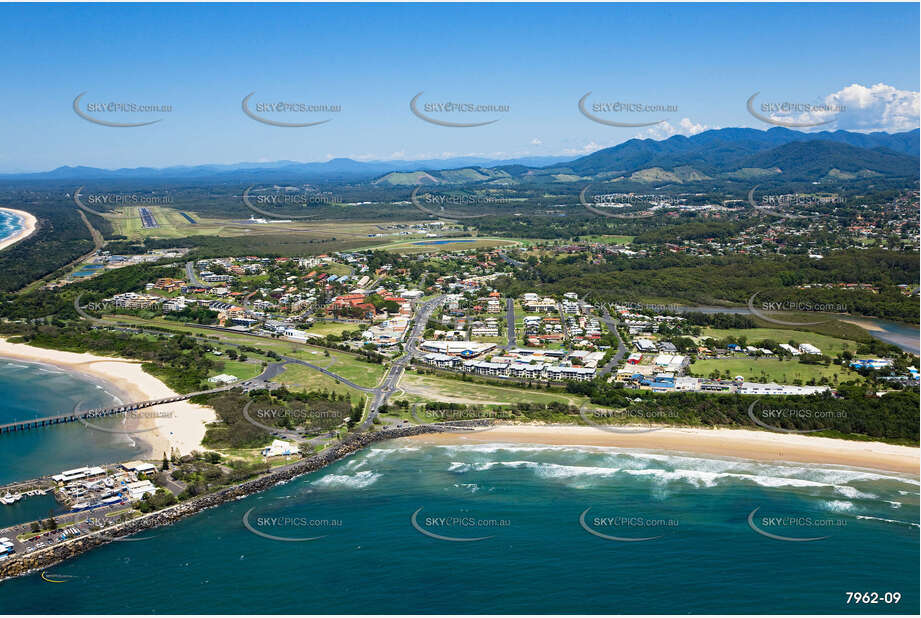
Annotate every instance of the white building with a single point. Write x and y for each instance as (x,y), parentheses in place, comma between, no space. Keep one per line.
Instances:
(223,378)
(772,388)
(280,448)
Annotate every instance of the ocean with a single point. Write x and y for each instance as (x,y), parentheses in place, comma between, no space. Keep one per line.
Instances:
(30,390)
(10,224)
(410,527)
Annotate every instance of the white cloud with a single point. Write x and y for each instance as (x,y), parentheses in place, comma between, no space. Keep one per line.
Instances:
(536,141)
(665,129)
(861,108)
(584,150)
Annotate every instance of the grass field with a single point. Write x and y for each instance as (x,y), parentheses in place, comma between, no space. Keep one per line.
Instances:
(460,244)
(830,346)
(241,369)
(305,379)
(347,365)
(611,239)
(423,388)
(772,370)
(173,225)
(333,328)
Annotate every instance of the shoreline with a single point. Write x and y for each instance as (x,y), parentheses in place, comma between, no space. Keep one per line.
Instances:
(736,443)
(24,564)
(182,425)
(29,224)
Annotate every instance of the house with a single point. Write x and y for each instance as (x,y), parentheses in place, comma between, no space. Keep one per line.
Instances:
(644,345)
(223,378)
(280,448)
(808,348)
(138,489)
(139,467)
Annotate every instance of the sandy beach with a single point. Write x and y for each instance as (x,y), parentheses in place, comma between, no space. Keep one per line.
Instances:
(745,444)
(179,425)
(868,326)
(28,227)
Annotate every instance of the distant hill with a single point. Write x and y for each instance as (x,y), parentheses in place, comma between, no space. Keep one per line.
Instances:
(730,154)
(334,169)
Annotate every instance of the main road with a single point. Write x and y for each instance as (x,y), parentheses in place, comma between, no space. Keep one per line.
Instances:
(392,378)
(510,322)
(621,348)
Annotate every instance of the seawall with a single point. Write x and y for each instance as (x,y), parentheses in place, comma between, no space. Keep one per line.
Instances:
(16,565)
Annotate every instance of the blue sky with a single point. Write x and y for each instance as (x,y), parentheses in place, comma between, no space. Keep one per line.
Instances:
(539,60)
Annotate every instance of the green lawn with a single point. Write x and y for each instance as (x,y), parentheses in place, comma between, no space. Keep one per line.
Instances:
(612,239)
(772,370)
(830,346)
(241,369)
(333,328)
(434,388)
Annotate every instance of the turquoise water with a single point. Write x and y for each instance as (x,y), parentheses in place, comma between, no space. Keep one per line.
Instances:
(30,390)
(537,559)
(9,224)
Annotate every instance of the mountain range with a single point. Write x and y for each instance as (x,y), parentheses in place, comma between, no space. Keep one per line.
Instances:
(732,154)
(727,154)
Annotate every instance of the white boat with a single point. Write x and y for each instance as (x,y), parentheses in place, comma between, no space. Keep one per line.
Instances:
(10,498)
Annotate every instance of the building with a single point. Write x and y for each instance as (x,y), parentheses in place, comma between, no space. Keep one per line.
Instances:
(644,345)
(138,489)
(79,474)
(139,467)
(808,348)
(223,378)
(772,388)
(280,448)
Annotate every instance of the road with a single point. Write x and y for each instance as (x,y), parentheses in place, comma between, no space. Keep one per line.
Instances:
(611,323)
(510,323)
(193,278)
(390,381)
